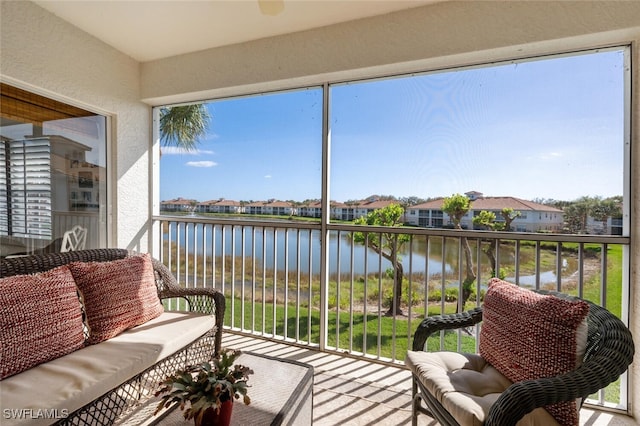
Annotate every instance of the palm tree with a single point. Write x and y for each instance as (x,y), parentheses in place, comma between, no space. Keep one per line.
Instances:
(182,126)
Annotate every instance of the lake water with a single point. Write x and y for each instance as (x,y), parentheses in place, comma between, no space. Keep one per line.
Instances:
(273,248)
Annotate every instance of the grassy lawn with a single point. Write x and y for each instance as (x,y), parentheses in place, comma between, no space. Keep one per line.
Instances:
(350,330)
(360,326)
(614,282)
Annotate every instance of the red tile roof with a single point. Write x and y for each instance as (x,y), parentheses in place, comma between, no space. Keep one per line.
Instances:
(278,204)
(179,201)
(375,204)
(492,203)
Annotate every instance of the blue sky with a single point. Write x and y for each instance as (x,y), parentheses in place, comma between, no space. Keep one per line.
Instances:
(536,129)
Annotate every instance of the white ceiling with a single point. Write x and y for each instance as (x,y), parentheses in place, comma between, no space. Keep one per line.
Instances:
(150,29)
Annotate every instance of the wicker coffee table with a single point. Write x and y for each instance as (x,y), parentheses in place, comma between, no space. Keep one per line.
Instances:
(281,393)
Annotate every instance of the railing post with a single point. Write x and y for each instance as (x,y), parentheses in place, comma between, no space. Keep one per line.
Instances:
(324,221)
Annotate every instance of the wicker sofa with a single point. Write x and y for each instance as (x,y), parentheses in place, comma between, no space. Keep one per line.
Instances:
(99,383)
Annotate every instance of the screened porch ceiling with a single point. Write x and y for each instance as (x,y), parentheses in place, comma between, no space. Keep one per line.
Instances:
(150,30)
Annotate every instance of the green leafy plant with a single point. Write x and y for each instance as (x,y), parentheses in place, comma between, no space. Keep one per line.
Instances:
(206,385)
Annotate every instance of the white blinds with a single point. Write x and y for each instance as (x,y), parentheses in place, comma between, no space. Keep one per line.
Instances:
(25,188)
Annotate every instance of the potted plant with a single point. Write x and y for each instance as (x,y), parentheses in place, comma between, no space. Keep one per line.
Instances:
(206,391)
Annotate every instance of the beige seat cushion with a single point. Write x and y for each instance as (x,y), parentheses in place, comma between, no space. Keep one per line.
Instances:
(70,382)
(466,386)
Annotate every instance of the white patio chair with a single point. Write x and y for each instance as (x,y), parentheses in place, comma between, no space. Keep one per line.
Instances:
(74,239)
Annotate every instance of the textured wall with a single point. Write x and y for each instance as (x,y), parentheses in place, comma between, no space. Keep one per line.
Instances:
(42,53)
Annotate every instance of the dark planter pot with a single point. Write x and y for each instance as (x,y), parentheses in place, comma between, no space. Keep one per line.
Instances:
(213,418)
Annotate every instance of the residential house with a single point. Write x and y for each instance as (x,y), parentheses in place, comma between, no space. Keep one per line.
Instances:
(343,211)
(255,207)
(311,209)
(271,207)
(178,205)
(219,206)
(278,208)
(612,226)
(534,217)
(369,205)
(338,210)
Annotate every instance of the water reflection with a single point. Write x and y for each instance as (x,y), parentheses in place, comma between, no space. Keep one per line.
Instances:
(530,280)
(300,250)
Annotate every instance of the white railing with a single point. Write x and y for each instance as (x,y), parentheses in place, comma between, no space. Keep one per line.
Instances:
(283,283)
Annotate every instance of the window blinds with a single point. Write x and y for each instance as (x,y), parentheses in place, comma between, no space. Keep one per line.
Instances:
(25,188)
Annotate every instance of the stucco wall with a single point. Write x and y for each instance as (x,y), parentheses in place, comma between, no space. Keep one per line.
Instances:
(42,53)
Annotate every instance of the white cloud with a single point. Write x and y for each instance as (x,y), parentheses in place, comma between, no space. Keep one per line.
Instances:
(201,163)
(551,156)
(267,176)
(172,150)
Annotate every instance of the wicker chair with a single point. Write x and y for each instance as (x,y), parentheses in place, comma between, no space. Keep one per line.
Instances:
(127,396)
(608,354)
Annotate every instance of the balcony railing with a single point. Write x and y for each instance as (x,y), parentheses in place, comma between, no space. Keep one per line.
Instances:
(284,281)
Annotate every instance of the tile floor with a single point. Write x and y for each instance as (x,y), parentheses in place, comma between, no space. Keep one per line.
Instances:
(353,392)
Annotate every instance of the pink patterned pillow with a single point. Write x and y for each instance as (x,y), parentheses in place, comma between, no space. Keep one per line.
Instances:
(117,295)
(526,335)
(40,319)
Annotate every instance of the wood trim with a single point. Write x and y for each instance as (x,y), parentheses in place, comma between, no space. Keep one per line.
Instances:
(26,107)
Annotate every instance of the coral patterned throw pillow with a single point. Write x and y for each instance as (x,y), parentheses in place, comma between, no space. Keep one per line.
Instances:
(117,295)
(526,335)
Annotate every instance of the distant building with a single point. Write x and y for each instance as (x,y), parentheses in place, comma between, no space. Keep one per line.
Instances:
(219,206)
(311,209)
(178,205)
(279,208)
(613,226)
(254,207)
(338,210)
(271,207)
(342,211)
(369,205)
(534,217)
